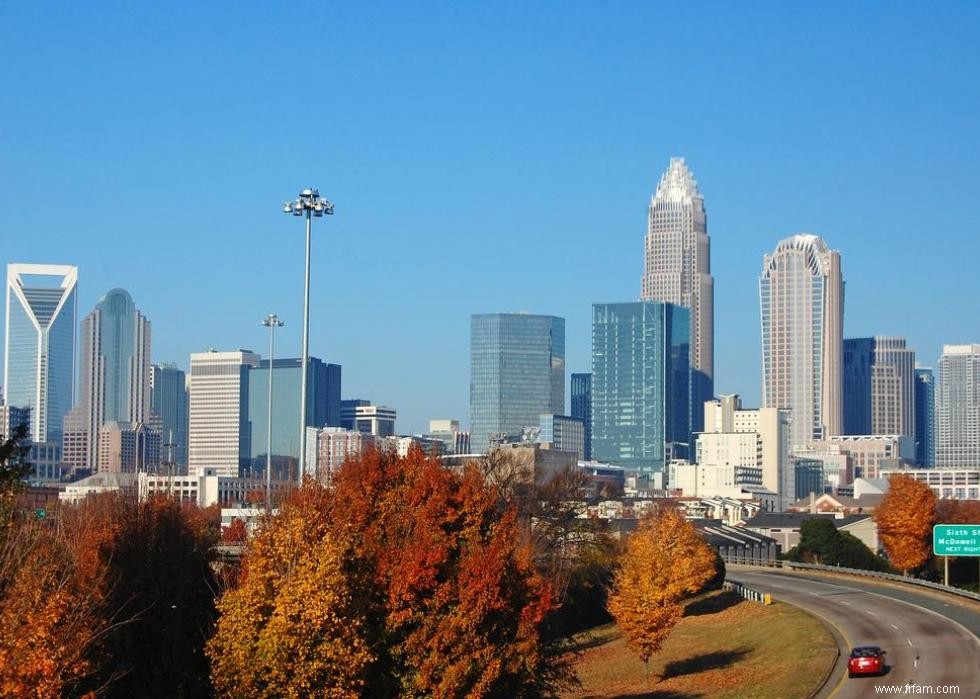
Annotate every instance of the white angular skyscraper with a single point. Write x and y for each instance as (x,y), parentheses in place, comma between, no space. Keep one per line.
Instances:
(115,385)
(677,269)
(39,345)
(802,302)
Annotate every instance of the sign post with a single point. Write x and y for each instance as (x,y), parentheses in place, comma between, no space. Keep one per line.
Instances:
(955,540)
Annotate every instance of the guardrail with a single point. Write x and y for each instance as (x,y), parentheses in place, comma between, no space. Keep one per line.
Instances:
(791,565)
(747,592)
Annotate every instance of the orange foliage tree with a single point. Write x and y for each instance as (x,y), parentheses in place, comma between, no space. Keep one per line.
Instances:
(905,517)
(235,533)
(665,560)
(958,511)
(402,578)
(113,597)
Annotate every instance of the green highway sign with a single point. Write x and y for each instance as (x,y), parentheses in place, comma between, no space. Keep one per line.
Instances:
(956,540)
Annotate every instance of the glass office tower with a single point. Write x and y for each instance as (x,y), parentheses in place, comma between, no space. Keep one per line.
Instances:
(323,406)
(168,387)
(39,345)
(641,384)
(517,373)
(115,376)
(925,418)
(582,406)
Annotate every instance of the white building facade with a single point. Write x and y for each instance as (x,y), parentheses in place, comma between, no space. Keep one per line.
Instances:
(218,436)
(757,437)
(801,294)
(958,407)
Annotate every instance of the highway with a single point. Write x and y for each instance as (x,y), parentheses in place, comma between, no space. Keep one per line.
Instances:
(922,646)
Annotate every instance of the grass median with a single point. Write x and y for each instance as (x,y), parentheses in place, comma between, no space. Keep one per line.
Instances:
(724,647)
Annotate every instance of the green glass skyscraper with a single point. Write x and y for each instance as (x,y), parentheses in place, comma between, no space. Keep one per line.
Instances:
(517,373)
(641,384)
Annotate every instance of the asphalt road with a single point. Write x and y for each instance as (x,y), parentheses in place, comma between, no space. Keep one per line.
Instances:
(923,647)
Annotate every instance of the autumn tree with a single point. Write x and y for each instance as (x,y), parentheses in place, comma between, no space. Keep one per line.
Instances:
(296,625)
(575,553)
(665,560)
(402,578)
(905,517)
(113,597)
(50,611)
(14,467)
(235,533)
(159,596)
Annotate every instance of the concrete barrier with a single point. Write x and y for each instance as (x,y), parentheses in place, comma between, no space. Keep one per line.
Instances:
(791,565)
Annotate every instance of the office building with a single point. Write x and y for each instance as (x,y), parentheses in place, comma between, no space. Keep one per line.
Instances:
(947,482)
(125,447)
(749,437)
(677,269)
(12,418)
(641,389)
(517,374)
(958,407)
(563,433)
(581,407)
(869,454)
(39,345)
(456,440)
(364,416)
(802,306)
(168,390)
(322,408)
(878,386)
(334,445)
(115,385)
(219,435)
(925,418)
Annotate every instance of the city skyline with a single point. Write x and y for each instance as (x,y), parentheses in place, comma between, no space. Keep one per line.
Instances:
(825,139)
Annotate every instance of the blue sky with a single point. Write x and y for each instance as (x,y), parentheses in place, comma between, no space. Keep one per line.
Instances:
(493,157)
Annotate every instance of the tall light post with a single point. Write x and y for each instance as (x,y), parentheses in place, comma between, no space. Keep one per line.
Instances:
(309,203)
(272,322)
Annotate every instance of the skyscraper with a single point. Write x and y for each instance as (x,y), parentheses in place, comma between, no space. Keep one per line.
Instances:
(802,303)
(218,435)
(641,387)
(39,345)
(878,386)
(115,384)
(323,406)
(168,387)
(677,268)
(925,417)
(958,406)
(582,406)
(858,355)
(517,373)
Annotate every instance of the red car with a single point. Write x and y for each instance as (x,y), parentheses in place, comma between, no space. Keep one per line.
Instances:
(866,660)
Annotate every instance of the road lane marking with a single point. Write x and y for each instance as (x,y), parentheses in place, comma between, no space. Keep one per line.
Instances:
(843,602)
(895,627)
(870,612)
(910,642)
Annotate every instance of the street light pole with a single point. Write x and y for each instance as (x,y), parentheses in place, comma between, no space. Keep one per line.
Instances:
(272,322)
(309,203)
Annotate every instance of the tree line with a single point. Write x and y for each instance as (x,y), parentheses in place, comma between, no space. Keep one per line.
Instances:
(403,578)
